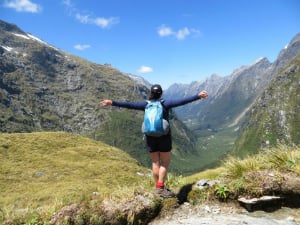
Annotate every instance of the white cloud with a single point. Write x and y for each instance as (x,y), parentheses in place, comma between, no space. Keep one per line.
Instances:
(106,22)
(83,18)
(181,34)
(87,18)
(145,69)
(81,47)
(23,6)
(100,21)
(165,31)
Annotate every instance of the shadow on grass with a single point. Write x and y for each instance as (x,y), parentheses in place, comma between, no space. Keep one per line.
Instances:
(183,193)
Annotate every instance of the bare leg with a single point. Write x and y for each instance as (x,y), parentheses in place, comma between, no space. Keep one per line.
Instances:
(155,165)
(165,158)
(160,165)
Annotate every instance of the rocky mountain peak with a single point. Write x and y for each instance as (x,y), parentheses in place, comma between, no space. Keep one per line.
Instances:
(289,52)
(9,27)
(296,39)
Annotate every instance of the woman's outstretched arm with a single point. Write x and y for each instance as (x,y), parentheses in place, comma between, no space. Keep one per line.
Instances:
(128,105)
(179,102)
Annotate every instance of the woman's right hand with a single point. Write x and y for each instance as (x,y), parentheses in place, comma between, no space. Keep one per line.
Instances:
(203,94)
(106,102)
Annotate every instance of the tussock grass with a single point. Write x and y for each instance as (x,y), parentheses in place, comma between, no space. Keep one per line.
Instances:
(41,172)
(248,175)
(235,168)
(284,157)
(277,158)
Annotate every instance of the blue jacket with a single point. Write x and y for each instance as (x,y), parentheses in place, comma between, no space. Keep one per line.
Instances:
(167,103)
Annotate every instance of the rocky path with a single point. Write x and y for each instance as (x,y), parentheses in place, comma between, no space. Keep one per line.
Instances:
(227,215)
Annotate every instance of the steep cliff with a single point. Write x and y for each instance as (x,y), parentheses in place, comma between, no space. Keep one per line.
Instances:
(275,116)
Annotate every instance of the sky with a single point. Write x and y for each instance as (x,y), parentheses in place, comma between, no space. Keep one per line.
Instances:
(163,41)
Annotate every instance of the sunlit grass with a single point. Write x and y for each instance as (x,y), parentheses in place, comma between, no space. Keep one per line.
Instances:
(247,175)
(235,167)
(206,174)
(45,171)
(277,158)
(284,157)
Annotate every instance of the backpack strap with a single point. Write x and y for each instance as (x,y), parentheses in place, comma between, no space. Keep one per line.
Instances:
(166,111)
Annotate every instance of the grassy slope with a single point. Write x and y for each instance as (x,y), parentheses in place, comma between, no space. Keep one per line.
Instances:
(50,170)
(43,172)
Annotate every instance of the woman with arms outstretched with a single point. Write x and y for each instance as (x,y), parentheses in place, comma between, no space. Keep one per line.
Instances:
(159,147)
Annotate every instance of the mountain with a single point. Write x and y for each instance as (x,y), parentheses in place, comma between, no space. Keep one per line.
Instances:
(139,80)
(236,95)
(43,88)
(229,96)
(212,84)
(274,118)
(219,121)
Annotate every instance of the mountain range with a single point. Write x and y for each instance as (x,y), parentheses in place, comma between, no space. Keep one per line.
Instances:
(43,88)
(233,98)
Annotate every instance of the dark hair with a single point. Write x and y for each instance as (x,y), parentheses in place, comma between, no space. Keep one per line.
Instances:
(156,92)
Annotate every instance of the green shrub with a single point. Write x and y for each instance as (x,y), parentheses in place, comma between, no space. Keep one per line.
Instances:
(222,192)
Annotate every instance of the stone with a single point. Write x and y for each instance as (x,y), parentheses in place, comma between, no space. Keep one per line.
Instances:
(265,203)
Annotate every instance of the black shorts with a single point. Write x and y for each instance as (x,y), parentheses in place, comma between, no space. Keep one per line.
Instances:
(159,144)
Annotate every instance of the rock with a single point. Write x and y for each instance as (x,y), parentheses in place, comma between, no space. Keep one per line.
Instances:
(265,203)
(39,174)
(204,183)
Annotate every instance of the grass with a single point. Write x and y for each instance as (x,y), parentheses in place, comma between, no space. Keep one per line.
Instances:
(277,158)
(246,176)
(42,172)
(285,158)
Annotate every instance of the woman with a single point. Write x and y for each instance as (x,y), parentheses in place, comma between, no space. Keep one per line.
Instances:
(159,147)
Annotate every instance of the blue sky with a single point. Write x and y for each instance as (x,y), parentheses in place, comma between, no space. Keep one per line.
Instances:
(164,41)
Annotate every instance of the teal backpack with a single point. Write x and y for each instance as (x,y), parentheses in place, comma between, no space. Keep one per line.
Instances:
(154,124)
